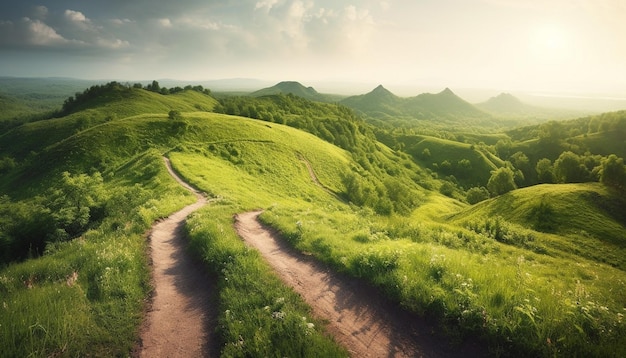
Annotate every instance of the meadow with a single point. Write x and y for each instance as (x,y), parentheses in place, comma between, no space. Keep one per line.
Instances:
(537,271)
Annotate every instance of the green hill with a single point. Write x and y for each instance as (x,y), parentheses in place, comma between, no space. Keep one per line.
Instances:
(585,220)
(534,272)
(294,88)
(379,102)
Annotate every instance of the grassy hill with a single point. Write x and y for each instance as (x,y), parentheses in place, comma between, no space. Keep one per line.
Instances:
(520,275)
(570,219)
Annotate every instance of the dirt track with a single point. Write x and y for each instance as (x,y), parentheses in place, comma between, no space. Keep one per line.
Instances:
(181,317)
(359,318)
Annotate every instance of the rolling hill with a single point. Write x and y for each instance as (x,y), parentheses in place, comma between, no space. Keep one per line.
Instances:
(535,272)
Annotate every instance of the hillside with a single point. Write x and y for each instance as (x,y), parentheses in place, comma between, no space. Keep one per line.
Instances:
(510,273)
(570,219)
(294,88)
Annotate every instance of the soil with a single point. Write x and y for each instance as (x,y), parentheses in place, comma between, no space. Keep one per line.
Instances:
(182,313)
(358,316)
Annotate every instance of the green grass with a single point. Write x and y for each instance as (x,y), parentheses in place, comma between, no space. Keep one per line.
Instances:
(493,272)
(258,315)
(98,314)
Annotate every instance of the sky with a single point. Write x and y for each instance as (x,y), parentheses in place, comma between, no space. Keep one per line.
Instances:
(555,46)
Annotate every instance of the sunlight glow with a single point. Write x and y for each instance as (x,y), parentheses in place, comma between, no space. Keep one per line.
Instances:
(550,43)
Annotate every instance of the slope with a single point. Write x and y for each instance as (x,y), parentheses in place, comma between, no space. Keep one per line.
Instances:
(569,219)
(25,142)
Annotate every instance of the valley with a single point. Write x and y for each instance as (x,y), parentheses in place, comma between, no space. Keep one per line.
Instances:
(500,226)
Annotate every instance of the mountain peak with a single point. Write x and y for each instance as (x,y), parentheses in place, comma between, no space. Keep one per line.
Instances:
(447,91)
(381,91)
(293,87)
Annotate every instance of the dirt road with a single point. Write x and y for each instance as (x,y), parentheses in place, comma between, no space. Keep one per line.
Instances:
(181,319)
(359,318)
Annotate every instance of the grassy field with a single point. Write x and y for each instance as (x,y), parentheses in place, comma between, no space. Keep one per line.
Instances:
(535,272)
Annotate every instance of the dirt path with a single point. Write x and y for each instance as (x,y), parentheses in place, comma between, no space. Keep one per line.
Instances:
(181,317)
(359,318)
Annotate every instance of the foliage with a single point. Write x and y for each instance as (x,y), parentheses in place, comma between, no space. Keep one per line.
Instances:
(613,172)
(501,181)
(477,194)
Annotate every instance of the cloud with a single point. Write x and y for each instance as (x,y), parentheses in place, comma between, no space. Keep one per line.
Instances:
(75,16)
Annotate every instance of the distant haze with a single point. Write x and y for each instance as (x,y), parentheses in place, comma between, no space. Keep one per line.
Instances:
(550,47)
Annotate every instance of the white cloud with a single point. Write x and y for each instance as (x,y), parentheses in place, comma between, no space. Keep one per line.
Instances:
(165,22)
(75,16)
(265,5)
(40,34)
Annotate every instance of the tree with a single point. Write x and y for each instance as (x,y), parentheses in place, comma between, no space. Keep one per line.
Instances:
(613,172)
(501,181)
(503,148)
(569,168)
(477,194)
(545,171)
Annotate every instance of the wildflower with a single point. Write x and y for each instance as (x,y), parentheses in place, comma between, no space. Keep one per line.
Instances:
(278,315)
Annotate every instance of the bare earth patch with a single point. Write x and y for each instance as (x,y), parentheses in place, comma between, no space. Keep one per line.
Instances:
(359,317)
(181,319)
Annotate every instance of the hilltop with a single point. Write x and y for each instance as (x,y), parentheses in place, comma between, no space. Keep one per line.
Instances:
(381,103)
(294,88)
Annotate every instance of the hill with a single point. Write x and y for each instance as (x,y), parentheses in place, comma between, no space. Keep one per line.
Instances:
(506,105)
(294,88)
(381,103)
(569,219)
(85,187)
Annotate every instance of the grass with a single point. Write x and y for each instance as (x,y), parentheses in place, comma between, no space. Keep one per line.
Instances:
(258,315)
(521,288)
(85,297)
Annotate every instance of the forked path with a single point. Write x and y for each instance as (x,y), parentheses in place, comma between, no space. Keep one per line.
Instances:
(358,317)
(181,317)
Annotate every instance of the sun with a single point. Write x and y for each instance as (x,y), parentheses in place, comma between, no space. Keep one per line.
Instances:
(550,43)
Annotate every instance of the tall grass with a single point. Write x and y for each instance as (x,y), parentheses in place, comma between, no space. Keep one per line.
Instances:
(86,296)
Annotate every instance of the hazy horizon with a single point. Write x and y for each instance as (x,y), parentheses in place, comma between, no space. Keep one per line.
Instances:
(559,46)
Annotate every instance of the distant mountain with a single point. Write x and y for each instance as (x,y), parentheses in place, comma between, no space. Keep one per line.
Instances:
(292,87)
(508,106)
(378,101)
(382,103)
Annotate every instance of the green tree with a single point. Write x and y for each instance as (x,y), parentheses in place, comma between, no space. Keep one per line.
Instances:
(503,148)
(76,202)
(569,168)
(545,171)
(613,172)
(501,181)
(477,194)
